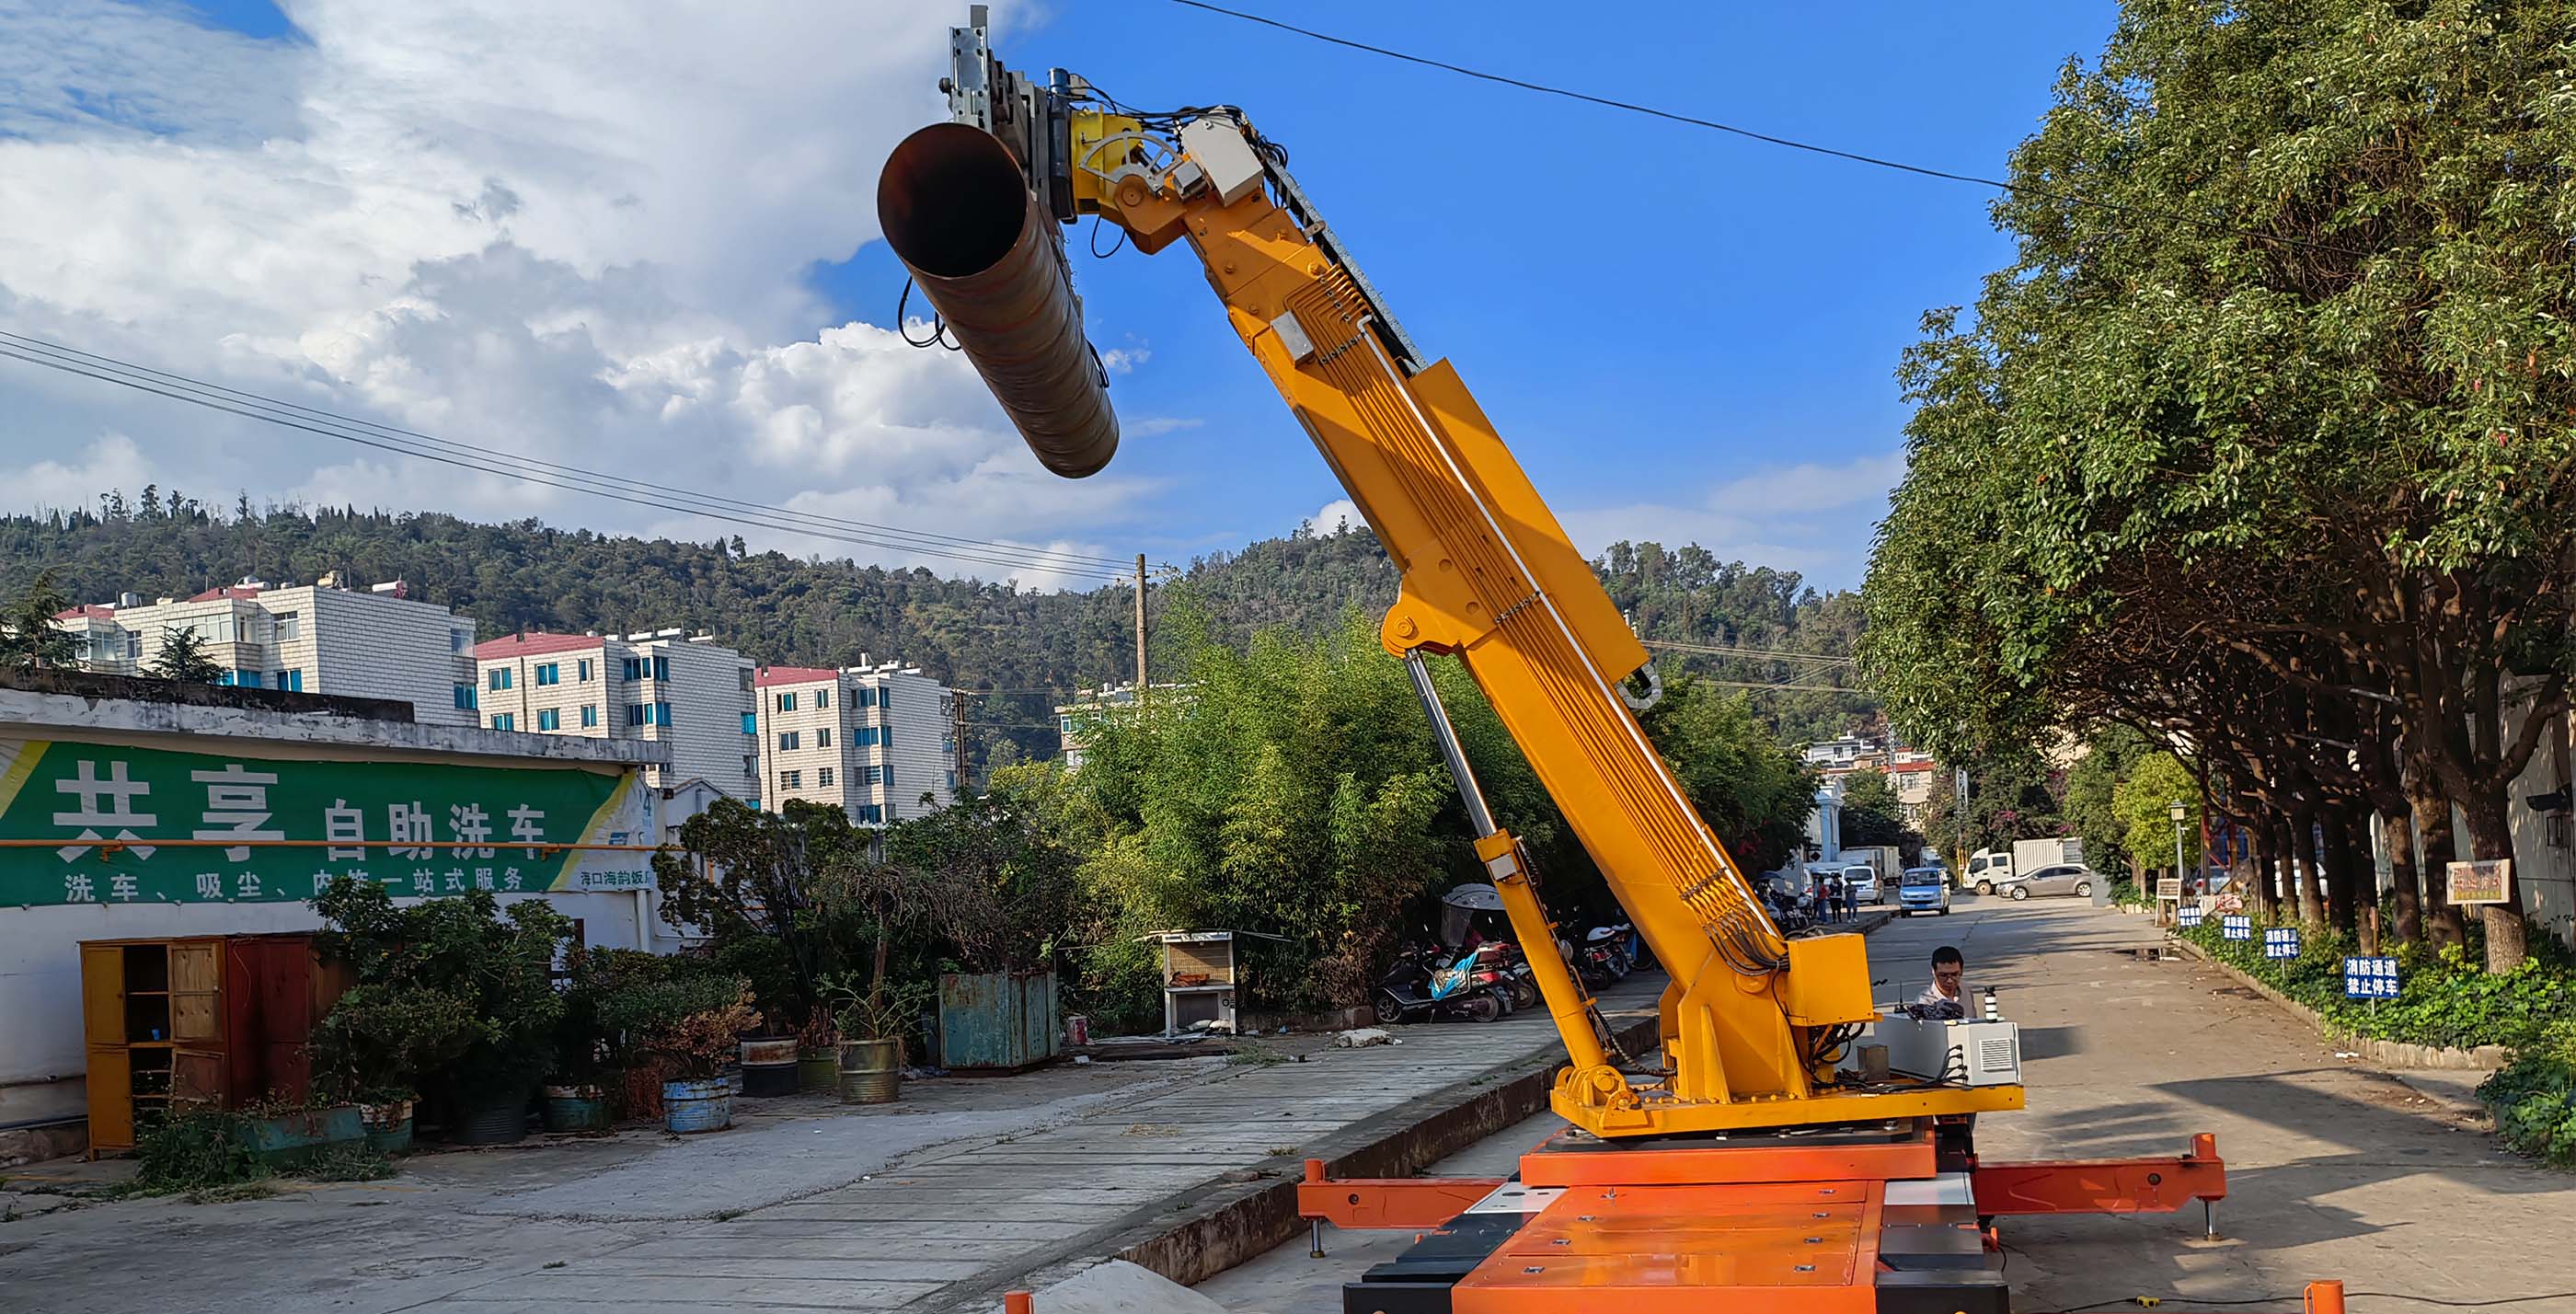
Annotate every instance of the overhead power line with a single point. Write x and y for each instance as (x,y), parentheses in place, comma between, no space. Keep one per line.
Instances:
(486,460)
(1791,143)
(1758,654)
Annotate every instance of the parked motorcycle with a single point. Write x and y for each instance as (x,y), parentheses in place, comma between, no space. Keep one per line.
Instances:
(1511,971)
(1428,983)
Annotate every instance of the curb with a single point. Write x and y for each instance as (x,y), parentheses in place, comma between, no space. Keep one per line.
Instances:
(2385,1053)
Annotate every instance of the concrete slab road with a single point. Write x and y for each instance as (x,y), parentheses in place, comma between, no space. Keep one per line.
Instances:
(2334,1170)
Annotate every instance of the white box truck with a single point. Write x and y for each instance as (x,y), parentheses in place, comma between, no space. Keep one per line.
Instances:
(1987,866)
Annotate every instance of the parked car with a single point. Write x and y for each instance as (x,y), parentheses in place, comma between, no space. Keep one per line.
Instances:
(1923,889)
(2063,878)
(1862,880)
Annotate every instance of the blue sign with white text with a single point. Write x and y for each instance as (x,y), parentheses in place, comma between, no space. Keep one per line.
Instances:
(2370,978)
(2281,942)
(2237,927)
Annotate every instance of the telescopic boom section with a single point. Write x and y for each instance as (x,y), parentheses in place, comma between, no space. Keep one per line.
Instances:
(1750,1021)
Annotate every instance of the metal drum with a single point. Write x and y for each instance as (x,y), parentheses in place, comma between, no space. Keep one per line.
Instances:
(871,1071)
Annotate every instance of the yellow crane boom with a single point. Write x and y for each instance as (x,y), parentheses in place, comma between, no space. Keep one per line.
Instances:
(1752,1021)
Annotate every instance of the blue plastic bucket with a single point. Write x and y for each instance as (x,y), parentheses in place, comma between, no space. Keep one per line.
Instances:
(697,1106)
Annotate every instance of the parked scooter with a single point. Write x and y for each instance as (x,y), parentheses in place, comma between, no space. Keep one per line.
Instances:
(1427,983)
(1511,972)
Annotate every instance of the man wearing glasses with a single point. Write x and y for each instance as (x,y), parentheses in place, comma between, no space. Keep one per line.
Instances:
(1947,996)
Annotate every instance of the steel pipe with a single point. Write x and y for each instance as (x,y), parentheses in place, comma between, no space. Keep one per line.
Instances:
(957,210)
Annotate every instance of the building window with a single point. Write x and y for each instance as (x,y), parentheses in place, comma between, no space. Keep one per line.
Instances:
(290,627)
(868,696)
(459,640)
(864,736)
(637,713)
(549,719)
(871,814)
(823,737)
(751,723)
(465,698)
(631,668)
(134,647)
(889,778)
(662,715)
(822,698)
(824,777)
(791,780)
(1064,725)
(243,679)
(581,670)
(292,681)
(787,702)
(589,715)
(786,740)
(550,673)
(661,668)
(505,720)
(745,674)
(875,776)
(497,679)
(952,782)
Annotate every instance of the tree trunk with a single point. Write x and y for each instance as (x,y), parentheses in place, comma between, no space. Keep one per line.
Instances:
(2491,836)
(2432,815)
(2303,863)
(2334,863)
(2267,898)
(2400,839)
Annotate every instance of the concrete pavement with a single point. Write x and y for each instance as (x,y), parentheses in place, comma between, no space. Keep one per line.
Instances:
(2334,1170)
(969,1185)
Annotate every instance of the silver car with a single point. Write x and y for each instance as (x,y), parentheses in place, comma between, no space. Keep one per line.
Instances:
(2065,878)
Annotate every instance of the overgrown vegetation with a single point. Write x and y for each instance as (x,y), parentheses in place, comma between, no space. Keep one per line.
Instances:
(2444,997)
(2534,1100)
(452,999)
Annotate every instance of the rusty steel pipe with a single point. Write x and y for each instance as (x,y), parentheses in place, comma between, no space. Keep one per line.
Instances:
(959,214)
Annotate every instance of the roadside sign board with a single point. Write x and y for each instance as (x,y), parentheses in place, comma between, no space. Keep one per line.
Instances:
(2489,881)
(2169,887)
(2189,917)
(2281,942)
(2237,927)
(2370,978)
(89,823)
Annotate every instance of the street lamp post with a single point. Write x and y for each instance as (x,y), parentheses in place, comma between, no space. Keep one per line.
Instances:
(2177,810)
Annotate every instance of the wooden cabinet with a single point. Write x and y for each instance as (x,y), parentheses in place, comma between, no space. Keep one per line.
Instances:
(196,1021)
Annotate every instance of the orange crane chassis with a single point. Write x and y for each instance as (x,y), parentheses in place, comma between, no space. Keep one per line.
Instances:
(1880,1220)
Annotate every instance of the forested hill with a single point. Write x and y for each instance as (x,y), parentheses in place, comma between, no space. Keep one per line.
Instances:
(1031,648)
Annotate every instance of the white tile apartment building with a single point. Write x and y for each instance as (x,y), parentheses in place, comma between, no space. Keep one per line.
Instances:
(871,739)
(316,638)
(654,685)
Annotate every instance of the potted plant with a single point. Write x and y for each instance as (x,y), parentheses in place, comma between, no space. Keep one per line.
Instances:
(484,977)
(588,1056)
(873,1021)
(818,1056)
(692,1028)
(372,1048)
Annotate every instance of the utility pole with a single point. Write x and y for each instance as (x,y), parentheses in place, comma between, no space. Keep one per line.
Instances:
(1141,683)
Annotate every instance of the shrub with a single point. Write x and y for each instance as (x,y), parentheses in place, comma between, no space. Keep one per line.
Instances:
(195,1152)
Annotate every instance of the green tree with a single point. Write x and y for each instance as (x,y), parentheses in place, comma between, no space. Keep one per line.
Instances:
(1748,786)
(1871,814)
(2143,801)
(2088,810)
(183,657)
(28,637)
(2270,407)
(753,881)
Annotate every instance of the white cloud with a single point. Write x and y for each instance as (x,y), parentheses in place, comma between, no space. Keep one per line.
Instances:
(573,234)
(1812,517)
(111,462)
(1336,516)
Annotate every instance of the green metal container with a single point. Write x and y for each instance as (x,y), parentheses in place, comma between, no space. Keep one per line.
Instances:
(576,1109)
(292,1138)
(998,1020)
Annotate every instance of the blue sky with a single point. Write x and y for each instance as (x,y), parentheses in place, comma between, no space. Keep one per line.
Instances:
(1682,334)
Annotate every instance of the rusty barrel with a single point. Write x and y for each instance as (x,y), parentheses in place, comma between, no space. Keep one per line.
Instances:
(959,214)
